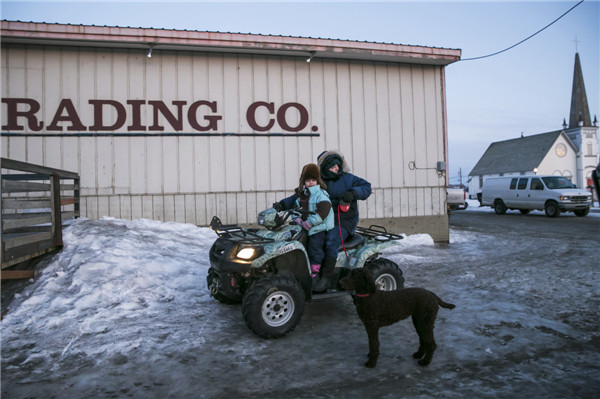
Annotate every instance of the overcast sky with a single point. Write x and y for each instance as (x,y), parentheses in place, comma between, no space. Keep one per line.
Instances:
(524,90)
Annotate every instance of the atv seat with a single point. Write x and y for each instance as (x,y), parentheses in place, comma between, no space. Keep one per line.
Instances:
(352,241)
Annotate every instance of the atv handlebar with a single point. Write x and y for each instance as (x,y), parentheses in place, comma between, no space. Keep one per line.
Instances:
(284,215)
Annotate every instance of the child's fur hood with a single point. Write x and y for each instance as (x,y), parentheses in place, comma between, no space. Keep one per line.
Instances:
(321,158)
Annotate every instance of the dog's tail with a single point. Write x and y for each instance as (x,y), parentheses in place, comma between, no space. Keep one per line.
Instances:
(445,304)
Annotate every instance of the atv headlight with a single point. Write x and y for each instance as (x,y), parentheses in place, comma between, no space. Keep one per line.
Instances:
(246,253)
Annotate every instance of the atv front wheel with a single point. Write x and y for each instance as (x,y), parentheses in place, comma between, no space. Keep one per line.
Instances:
(273,306)
(387,274)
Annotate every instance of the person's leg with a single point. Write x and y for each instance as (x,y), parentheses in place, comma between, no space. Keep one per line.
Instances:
(334,241)
(316,251)
(327,277)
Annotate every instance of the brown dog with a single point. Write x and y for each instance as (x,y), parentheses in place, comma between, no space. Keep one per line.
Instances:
(382,308)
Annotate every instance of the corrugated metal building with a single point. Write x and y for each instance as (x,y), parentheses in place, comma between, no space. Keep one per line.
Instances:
(183,125)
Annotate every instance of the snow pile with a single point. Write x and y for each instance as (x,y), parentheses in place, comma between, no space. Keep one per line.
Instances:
(111,275)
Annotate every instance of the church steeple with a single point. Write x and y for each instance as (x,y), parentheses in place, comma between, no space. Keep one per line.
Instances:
(580,112)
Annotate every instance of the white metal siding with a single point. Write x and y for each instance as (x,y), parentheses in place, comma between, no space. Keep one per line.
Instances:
(380,115)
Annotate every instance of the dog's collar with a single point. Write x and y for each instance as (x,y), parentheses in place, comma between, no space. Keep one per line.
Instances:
(362,295)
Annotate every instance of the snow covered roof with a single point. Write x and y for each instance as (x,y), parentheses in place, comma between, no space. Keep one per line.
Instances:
(193,40)
(517,155)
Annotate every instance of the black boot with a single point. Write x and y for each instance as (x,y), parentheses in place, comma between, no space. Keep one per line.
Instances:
(327,277)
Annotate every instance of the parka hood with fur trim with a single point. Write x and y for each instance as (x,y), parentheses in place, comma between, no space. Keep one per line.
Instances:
(323,156)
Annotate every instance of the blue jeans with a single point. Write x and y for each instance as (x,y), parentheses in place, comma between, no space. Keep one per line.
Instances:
(315,251)
(334,241)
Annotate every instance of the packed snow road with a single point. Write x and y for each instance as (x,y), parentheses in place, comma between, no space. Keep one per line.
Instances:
(123,311)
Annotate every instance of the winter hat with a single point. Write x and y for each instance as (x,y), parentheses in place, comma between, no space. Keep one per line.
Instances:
(311,171)
(327,161)
(332,160)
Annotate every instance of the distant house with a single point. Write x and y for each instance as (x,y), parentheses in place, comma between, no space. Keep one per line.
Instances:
(571,152)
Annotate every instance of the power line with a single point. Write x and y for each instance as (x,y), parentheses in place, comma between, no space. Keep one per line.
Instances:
(524,40)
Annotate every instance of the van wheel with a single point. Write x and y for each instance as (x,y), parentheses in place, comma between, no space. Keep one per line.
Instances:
(552,209)
(499,207)
(524,211)
(582,212)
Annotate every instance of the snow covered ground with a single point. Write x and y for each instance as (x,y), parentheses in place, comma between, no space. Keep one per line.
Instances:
(123,311)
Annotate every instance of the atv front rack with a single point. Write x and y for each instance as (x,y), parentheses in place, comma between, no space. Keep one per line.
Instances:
(378,233)
(235,233)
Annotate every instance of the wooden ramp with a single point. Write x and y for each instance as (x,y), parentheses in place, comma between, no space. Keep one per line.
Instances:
(36,201)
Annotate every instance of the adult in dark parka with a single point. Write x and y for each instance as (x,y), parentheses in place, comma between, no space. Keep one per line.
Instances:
(343,188)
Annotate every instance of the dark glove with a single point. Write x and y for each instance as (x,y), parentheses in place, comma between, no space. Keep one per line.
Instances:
(278,206)
(349,196)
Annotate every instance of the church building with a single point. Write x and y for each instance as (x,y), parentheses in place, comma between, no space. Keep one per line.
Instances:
(571,152)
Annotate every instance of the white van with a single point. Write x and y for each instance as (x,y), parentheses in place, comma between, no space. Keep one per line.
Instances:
(553,194)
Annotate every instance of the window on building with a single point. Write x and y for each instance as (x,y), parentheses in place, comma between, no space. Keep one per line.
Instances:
(589,148)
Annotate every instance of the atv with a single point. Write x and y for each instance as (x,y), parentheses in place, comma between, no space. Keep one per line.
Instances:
(267,270)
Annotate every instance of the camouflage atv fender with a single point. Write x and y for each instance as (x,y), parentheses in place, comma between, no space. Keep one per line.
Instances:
(277,249)
(289,257)
(358,257)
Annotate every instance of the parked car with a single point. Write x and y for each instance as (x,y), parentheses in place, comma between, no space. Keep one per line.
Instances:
(553,194)
(456,198)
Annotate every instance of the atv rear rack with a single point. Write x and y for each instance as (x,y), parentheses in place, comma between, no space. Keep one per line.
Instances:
(235,233)
(378,233)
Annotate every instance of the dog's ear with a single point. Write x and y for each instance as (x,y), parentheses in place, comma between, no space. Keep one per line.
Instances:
(364,281)
(370,281)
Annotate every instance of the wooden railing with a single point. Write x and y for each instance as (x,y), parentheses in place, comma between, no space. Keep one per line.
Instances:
(35,204)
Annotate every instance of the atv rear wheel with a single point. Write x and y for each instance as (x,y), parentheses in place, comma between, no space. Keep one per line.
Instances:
(387,274)
(273,306)
(213,284)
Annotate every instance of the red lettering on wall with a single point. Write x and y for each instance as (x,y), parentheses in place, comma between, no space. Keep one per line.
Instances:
(72,117)
(13,113)
(251,116)
(281,114)
(176,122)
(98,115)
(136,119)
(111,115)
(212,119)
